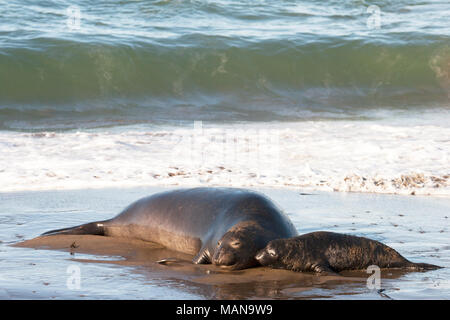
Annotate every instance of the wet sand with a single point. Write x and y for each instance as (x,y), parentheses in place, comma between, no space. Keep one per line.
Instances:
(115,268)
(146,255)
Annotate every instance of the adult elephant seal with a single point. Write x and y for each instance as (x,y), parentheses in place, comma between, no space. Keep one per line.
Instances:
(329,252)
(223,226)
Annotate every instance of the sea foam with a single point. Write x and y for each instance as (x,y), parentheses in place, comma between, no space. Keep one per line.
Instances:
(354,156)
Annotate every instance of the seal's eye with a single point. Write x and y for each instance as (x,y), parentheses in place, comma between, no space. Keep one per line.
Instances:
(271,252)
(235,244)
(219,243)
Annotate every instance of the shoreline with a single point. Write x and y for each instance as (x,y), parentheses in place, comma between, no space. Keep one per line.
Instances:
(300,189)
(368,157)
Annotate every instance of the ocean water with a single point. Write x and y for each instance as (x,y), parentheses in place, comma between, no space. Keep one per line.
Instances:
(328,95)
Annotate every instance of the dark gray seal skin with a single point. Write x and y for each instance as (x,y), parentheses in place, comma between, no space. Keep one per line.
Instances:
(223,226)
(329,252)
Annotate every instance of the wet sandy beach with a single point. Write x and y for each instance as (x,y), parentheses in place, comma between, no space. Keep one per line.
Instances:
(114,268)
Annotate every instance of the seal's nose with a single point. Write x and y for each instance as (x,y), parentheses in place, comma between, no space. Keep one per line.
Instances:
(223,258)
(217,257)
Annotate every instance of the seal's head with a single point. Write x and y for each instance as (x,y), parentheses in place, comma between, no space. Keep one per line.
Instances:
(270,255)
(238,247)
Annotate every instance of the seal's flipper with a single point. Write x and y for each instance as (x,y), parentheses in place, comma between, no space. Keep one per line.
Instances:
(425,266)
(167,261)
(93,228)
(203,257)
(323,270)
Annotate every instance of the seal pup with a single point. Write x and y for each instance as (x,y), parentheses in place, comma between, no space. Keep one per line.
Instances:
(329,252)
(223,226)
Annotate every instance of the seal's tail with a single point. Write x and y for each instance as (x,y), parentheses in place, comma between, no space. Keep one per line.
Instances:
(93,228)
